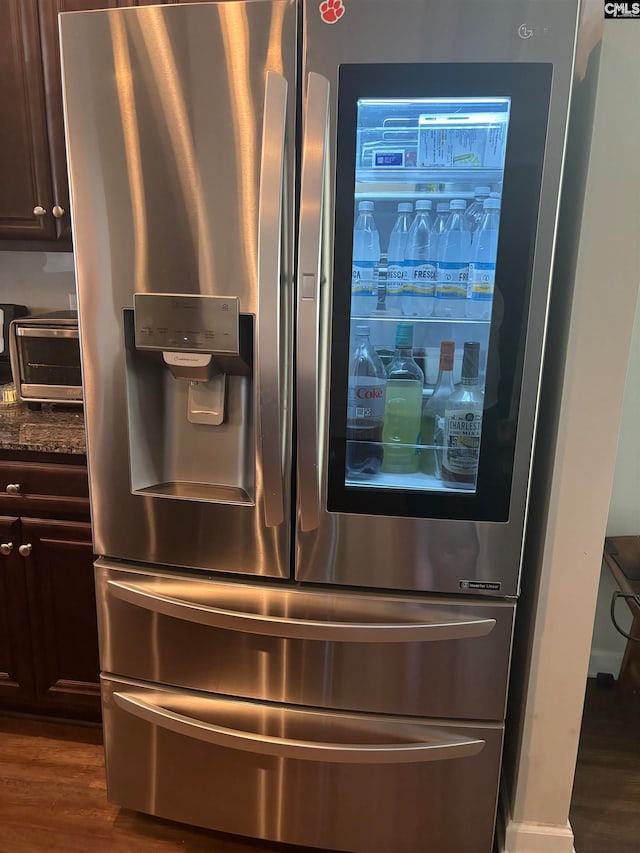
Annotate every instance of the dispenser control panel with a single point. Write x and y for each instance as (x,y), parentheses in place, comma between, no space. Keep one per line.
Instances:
(174,322)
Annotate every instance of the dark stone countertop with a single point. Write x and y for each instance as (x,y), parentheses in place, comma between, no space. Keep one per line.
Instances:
(49,430)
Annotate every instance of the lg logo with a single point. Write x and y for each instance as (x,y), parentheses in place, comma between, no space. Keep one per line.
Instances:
(524,31)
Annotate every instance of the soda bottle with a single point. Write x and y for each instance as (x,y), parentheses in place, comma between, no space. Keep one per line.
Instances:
(366,260)
(482,269)
(365,408)
(433,414)
(396,271)
(454,249)
(420,264)
(403,405)
(463,425)
(473,213)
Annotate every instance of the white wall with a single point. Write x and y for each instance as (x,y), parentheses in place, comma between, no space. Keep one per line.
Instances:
(608,645)
(577,442)
(43,281)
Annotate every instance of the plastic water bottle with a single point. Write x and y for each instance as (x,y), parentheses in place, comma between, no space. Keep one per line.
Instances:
(366,260)
(454,251)
(482,269)
(475,211)
(396,270)
(420,264)
(442,214)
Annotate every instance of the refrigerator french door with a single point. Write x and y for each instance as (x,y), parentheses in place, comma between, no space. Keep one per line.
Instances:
(292,650)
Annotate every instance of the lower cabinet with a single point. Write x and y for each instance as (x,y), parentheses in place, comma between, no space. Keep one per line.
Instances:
(48,630)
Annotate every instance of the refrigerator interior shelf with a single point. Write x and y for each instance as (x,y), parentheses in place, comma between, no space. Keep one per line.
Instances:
(381,317)
(417,482)
(475,175)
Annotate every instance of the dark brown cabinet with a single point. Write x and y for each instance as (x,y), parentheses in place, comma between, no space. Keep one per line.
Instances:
(48,627)
(16,660)
(34,196)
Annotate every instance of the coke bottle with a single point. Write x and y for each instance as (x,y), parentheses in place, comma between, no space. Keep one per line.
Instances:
(365,408)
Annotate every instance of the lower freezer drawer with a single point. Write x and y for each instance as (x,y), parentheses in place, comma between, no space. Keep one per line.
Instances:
(428,657)
(338,781)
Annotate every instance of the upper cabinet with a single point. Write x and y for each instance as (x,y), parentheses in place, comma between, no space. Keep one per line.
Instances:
(34,193)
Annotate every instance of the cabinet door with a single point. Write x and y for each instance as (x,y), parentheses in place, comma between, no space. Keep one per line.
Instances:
(16,675)
(49,10)
(60,586)
(25,189)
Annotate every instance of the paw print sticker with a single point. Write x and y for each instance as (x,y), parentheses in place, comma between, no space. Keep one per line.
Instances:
(331,11)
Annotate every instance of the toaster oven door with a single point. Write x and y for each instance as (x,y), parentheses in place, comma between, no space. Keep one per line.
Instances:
(46,365)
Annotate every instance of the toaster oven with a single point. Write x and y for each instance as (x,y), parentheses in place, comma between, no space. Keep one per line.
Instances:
(45,358)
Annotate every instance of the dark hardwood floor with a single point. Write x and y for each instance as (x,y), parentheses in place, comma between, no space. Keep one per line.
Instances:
(53,798)
(605,809)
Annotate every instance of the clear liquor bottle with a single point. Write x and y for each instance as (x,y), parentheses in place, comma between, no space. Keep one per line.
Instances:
(432,425)
(463,425)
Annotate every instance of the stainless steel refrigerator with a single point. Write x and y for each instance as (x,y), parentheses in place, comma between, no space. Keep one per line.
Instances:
(293,649)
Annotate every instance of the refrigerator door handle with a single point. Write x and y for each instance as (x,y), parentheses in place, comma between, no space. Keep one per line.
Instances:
(442,627)
(437,745)
(269,261)
(314,159)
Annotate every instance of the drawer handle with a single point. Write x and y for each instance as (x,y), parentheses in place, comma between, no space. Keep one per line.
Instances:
(438,745)
(13,489)
(444,628)
(25,550)
(6,548)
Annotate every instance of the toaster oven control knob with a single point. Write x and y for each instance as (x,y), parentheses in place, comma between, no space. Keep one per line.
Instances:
(25,550)
(58,211)
(13,489)
(6,548)
(38,210)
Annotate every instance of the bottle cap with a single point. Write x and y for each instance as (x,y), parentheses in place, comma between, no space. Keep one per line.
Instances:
(447,349)
(471,360)
(442,207)
(458,204)
(362,329)
(365,205)
(482,191)
(404,335)
(405,207)
(491,204)
(423,204)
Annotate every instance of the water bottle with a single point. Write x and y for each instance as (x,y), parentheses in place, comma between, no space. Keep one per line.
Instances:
(482,269)
(420,264)
(366,260)
(475,210)
(454,250)
(442,214)
(396,271)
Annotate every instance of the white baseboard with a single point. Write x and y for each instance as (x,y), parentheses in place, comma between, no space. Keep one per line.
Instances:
(521,837)
(601,660)
(537,838)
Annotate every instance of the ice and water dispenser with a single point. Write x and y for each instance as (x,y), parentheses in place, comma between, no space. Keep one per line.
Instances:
(190,398)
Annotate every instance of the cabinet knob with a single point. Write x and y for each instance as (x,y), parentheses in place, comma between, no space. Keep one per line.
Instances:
(38,210)
(58,211)
(6,548)
(13,489)
(25,550)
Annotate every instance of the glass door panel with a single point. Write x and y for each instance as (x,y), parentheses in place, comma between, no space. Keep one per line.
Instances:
(428,161)
(425,166)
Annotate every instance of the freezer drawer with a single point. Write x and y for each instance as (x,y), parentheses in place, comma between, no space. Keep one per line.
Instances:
(336,781)
(426,657)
